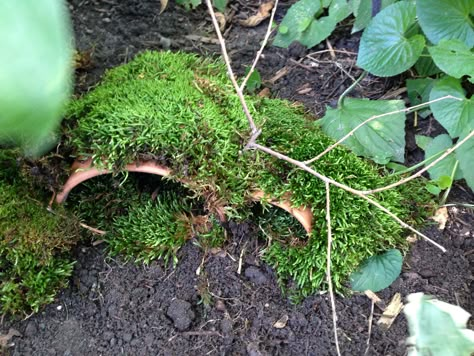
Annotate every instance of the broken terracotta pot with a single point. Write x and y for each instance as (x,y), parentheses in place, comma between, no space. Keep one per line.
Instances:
(84,170)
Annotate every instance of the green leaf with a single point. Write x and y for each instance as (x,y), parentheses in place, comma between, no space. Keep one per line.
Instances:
(220,5)
(303,26)
(425,66)
(418,91)
(385,49)
(255,80)
(296,16)
(444,167)
(465,154)
(433,189)
(456,116)
(444,182)
(454,58)
(189,4)
(423,141)
(381,140)
(437,328)
(35,71)
(446,19)
(377,272)
(363,14)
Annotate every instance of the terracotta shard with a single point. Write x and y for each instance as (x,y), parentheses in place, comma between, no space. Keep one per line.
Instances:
(84,170)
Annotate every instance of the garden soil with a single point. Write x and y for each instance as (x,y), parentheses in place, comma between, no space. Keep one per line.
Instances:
(227,302)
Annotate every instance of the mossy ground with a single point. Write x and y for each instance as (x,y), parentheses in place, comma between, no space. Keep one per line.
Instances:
(35,245)
(181,110)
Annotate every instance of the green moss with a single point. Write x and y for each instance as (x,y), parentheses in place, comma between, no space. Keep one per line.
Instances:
(34,245)
(181,110)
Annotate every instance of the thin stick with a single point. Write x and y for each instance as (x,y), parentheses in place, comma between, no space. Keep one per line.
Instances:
(371,318)
(421,171)
(328,267)
(411,108)
(346,188)
(253,127)
(260,51)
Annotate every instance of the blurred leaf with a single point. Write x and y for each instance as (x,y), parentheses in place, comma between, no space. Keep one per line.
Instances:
(385,48)
(423,141)
(264,12)
(433,189)
(454,58)
(381,140)
(456,116)
(425,66)
(437,328)
(220,5)
(446,19)
(377,272)
(255,80)
(35,71)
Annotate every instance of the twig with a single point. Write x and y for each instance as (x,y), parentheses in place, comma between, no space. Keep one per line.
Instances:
(351,87)
(371,318)
(328,267)
(359,193)
(264,43)
(421,171)
(253,127)
(350,133)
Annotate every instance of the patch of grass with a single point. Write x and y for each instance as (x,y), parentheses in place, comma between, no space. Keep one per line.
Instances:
(181,110)
(34,245)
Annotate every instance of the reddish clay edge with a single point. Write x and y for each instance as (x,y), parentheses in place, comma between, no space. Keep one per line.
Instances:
(84,170)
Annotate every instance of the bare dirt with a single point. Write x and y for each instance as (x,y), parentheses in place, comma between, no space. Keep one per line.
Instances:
(117,308)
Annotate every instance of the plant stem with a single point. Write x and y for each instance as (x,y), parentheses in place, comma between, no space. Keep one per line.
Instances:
(418,165)
(340,102)
(446,193)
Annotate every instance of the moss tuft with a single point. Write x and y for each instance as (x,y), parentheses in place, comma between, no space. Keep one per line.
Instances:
(181,110)
(34,245)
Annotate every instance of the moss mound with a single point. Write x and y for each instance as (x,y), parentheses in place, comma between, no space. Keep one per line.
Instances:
(181,110)
(34,245)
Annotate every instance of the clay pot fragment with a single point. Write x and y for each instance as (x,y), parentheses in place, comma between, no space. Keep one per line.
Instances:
(85,170)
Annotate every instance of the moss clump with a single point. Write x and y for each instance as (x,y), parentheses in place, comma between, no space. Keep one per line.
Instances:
(34,245)
(181,110)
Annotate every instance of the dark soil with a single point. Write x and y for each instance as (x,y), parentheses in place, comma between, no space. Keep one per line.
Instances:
(115,308)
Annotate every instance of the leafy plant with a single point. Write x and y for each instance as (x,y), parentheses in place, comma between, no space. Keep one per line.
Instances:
(437,328)
(191,4)
(35,72)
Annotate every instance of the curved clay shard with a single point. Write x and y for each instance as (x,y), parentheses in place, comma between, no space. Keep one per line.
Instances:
(84,170)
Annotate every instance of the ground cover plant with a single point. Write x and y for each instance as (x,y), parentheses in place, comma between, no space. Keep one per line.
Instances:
(35,245)
(195,128)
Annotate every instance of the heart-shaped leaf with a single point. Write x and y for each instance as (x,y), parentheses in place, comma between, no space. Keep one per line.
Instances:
(465,156)
(456,116)
(35,71)
(363,13)
(454,58)
(446,19)
(381,140)
(377,272)
(445,167)
(385,47)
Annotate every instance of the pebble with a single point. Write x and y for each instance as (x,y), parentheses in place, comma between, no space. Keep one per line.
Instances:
(181,313)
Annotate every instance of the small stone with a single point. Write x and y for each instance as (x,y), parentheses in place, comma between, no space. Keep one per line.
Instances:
(427,273)
(113,341)
(220,306)
(181,313)
(108,335)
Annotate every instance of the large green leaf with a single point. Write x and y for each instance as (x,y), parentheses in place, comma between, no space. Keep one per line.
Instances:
(446,19)
(454,58)
(377,272)
(437,328)
(363,13)
(381,140)
(385,47)
(301,23)
(465,156)
(456,116)
(445,167)
(35,71)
